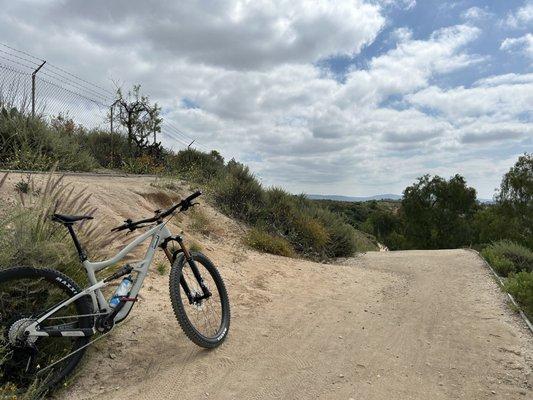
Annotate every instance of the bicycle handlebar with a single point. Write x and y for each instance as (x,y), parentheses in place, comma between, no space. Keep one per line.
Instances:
(184,205)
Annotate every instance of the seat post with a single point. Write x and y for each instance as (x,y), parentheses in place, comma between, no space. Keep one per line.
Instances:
(81,253)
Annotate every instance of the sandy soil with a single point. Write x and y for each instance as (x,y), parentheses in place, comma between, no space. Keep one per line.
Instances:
(383,325)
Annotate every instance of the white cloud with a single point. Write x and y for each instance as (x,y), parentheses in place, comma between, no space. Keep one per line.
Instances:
(475,14)
(235,34)
(261,97)
(403,4)
(496,96)
(402,34)
(522,17)
(523,44)
(409,66)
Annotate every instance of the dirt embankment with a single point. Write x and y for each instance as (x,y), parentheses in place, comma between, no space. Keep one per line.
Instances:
(383,325)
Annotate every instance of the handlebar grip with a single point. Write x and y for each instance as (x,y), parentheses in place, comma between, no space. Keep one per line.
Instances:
(192,197)
(127,225)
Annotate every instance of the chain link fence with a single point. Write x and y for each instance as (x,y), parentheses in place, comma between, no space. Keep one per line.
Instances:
(33,85)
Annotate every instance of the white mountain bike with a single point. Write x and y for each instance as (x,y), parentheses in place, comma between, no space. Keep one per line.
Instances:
(47,321)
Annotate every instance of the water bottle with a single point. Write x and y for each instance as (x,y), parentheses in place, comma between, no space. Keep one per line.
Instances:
(122,290)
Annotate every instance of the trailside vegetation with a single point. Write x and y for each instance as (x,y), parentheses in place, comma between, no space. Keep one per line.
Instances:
(293,224)
(436,213)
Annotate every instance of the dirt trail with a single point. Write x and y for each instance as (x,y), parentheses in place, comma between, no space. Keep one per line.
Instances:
(387,325)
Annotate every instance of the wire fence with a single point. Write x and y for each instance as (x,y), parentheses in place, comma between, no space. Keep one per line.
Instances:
(36,86)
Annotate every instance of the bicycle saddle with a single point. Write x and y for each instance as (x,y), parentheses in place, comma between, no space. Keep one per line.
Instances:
(69,219)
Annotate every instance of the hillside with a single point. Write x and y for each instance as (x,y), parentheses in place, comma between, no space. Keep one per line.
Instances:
(352,198)
(410,324)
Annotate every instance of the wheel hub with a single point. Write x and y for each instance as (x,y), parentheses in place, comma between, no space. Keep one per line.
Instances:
(16,335)
(198,301)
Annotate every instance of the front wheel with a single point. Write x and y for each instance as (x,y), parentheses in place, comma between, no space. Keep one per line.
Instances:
(204,319)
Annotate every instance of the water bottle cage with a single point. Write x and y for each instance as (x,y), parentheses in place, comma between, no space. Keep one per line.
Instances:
(125,299)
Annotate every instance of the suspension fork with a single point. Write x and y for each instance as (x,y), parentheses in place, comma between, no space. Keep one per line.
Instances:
(188,258)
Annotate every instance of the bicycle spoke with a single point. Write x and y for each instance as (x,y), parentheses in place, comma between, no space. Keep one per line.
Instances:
(22,299)
(203,314)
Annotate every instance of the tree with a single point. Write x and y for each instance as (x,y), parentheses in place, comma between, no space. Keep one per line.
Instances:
(140,118)
(515,197)
(438,213)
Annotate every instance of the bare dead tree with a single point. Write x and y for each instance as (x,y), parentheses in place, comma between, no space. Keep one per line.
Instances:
(140,118)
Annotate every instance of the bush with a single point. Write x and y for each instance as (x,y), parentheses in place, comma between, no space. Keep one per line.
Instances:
(32,143)
(520,285)
(395,241)
(144,164)
(365,242)
(507,257)
(238,193)
(109,149)
(342,241)
(501,265)
(195,165)
(279,211)
(263,241)
(309,236)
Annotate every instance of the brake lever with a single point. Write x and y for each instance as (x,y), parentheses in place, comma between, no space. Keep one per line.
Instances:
(185,207)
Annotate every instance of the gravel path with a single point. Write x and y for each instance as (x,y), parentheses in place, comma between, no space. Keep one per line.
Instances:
(394,325)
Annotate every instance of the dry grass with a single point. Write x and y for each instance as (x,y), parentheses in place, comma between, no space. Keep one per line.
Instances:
(30,237)
(166,184)
(161,198)
(195,246)
(261,240)
(200,222)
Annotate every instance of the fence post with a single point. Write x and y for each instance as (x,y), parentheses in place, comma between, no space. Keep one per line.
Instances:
(33,88)
(111,115)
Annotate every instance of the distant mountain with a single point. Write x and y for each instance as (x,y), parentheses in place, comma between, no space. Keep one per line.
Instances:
(486,201)
(387,196)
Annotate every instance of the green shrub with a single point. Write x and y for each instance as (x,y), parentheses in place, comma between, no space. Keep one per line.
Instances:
(520,285)
(195,165)
(144,164)
(278,211)
(238,193)
(33,143)
(263,241)
(309,236)
(161,268)
(365,242)
(501,265)
(110,150)
(395,241)
(22,186)
(342,241)
(507,257)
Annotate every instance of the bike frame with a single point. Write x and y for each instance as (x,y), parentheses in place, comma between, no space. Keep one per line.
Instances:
(158,235)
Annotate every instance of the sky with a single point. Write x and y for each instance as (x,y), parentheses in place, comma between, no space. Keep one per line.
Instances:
(347,97)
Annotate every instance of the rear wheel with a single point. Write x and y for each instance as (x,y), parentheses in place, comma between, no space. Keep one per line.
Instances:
(26,293)
(205,321)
